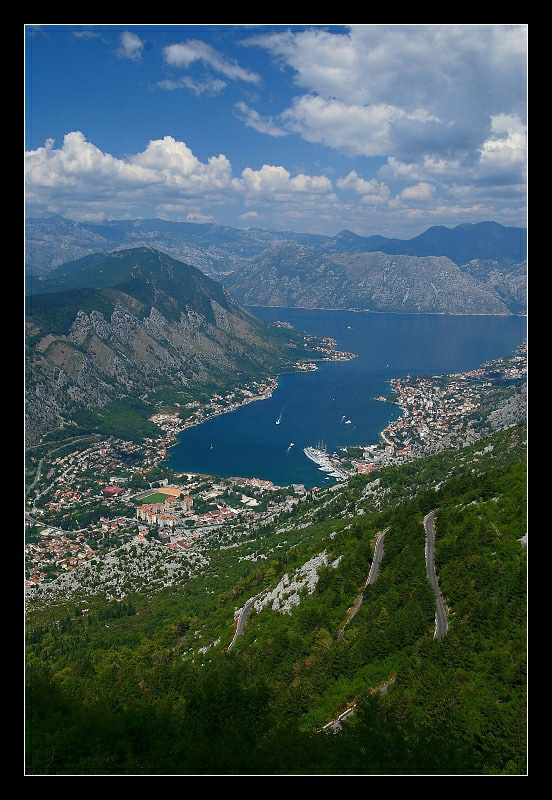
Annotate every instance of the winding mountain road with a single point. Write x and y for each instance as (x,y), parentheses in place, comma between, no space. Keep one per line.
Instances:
(378,552)
(372,577)
(441,623)
(241,621)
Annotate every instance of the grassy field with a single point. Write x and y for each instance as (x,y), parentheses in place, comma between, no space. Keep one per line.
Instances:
(156,497)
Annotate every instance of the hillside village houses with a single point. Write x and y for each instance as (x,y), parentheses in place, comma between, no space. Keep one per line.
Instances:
(172,521)
(434,409)
(160,513)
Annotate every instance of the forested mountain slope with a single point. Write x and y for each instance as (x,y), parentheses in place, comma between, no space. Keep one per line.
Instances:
(147,685)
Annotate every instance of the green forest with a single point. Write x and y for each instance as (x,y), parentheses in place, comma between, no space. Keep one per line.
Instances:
(148,686)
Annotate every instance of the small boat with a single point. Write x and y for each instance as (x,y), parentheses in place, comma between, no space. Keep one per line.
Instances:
(347,422)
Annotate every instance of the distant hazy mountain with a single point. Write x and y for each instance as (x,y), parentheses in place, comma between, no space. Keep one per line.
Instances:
(138,325)
(214,249)
(481,240)
(293,275)
(219,250)
(284,268)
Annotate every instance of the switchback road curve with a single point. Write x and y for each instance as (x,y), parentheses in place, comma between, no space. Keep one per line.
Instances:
(241,621)
(372,576)
(441,623)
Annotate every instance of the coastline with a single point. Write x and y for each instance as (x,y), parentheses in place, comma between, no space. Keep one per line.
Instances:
(434,414)
(173,424)
(400,313)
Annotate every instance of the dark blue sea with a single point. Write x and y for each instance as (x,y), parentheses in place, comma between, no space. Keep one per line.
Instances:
(316,406)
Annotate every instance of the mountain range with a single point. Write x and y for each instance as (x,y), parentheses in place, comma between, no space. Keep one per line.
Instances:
(214,249)
(471,269)
(293,275)
(482,240)
(218,249)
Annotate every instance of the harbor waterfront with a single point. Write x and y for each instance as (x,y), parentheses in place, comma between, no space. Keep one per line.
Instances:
(339,403)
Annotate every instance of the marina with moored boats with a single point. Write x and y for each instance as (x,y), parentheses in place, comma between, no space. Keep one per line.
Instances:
(325,462)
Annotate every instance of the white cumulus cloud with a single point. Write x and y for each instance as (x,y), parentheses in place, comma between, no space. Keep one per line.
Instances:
(373,192)
(79,178)
(167,180)
(352,129)
(418,193)
(79,162)
(181,168)
(410,92)
(131,46)
(199,217)
(506,147)
(357,130)
(276,182)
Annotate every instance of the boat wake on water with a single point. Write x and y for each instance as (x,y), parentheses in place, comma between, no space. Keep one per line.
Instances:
(281,414)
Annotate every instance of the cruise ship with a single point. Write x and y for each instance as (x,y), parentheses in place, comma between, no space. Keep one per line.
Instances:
(320,456)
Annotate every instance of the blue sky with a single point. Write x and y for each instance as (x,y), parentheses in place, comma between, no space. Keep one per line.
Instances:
(379,129)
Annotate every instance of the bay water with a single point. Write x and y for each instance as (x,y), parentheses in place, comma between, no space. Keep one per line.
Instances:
(336,403)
